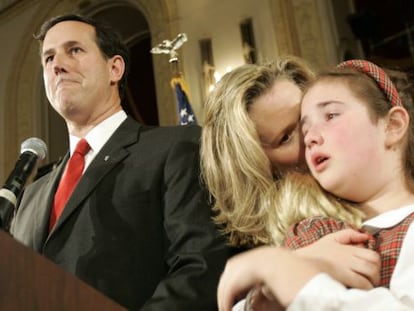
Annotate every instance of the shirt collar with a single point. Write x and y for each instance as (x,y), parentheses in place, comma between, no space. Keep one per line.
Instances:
(100,134)
(390,218)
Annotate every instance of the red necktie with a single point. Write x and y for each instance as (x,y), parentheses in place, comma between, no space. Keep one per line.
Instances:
(69,180)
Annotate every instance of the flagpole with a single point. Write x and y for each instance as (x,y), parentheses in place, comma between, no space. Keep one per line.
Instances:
(184,109)
(175,67)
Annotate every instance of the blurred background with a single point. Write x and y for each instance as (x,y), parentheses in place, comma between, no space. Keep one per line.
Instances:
(222,34)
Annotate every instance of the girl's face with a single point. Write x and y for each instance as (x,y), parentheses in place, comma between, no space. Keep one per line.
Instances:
(276,115)
(344,146)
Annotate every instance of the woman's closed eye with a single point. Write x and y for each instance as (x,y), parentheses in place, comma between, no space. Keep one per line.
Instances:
(289,134)
(286,138)
(282,140)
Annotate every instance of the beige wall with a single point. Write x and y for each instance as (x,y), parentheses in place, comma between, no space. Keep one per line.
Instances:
(300,27)
(219,21)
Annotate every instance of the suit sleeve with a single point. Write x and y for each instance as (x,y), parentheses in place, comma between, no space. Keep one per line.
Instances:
(196,254)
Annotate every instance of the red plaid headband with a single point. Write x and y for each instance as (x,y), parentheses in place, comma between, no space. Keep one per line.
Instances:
(375,72)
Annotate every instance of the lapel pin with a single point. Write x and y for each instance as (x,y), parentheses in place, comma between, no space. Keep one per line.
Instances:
(106,158)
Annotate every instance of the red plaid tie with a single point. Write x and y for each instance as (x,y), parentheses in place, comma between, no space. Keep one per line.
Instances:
(69,180)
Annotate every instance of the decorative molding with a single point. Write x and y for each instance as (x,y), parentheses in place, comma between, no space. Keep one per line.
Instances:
(10,11)
(310,36)
(284,23)
(5,4)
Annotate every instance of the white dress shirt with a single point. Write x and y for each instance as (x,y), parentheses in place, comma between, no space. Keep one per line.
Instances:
(324,293)
(98,136)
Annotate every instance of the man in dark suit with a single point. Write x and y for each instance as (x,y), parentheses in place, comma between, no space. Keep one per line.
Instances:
(137,225)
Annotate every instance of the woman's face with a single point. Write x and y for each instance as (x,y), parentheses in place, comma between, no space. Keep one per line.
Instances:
(276,116)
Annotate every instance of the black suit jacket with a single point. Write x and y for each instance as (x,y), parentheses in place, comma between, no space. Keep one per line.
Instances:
(137,227)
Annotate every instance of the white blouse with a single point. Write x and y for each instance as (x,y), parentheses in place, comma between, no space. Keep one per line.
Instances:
(324,293)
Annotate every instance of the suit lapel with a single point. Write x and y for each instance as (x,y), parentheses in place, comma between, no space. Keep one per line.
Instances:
(44,204)
(112,153)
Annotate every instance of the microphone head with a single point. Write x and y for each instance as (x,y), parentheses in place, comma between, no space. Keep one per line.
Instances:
(35,145)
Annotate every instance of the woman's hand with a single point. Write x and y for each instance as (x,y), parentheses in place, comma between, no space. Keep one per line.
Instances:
(282,271)
(342,255)
(240,275)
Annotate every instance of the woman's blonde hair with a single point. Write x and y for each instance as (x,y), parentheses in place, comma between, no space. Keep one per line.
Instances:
(299,196)
(235,168)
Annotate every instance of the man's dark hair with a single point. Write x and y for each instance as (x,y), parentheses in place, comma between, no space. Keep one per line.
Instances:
(107,39)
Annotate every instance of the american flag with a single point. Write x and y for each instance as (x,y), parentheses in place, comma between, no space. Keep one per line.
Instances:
(185,112)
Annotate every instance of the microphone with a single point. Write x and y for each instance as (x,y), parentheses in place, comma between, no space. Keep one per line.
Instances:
(31,150)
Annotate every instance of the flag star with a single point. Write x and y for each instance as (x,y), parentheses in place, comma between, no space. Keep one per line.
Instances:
(190,118)
(183,112)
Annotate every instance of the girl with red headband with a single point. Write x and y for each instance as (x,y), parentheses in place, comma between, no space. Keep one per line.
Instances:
(359,146)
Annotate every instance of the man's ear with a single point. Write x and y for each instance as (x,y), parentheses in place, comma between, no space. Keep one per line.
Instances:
(117,68)
(398,122)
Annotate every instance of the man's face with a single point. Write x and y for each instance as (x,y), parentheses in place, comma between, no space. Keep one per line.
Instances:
(78,79)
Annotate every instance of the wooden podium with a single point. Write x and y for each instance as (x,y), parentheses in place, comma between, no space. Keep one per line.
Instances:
(29,281)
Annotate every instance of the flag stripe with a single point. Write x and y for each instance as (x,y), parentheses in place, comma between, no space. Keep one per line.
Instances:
(185,112)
